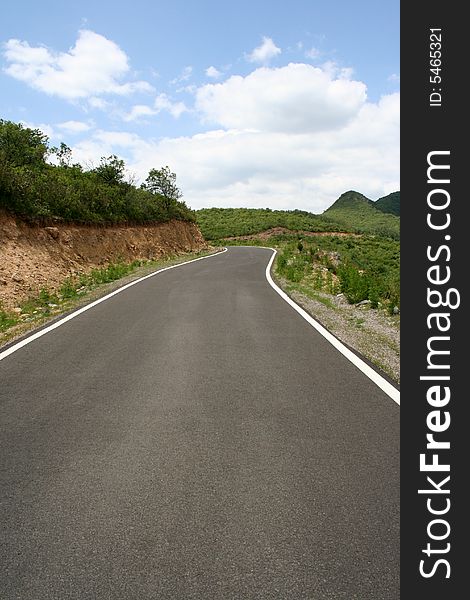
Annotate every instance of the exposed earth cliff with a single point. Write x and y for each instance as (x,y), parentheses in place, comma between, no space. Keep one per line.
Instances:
(33,257)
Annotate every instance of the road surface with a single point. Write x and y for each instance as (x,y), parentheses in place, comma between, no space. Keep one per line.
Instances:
(194,438)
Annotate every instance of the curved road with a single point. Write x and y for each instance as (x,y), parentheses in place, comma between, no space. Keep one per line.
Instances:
(194,438)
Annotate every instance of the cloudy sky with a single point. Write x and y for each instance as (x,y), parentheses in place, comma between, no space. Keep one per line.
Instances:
(252,103)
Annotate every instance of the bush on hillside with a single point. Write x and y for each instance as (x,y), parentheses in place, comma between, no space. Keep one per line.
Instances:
(34,189)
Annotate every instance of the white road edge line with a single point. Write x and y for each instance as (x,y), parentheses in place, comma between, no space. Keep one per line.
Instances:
(79,311)
(382,383)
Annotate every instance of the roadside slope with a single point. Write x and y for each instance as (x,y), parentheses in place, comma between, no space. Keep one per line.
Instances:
(32,257)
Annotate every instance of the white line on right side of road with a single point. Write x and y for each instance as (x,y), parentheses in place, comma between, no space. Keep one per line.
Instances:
(382,383)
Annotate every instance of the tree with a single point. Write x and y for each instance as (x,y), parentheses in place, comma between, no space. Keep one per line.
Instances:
(162,182)
(111,170)
(21,146)
(64,155)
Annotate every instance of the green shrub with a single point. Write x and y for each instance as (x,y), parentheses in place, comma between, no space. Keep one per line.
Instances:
(354,284)
(367,267)
(69,289)
(7,319)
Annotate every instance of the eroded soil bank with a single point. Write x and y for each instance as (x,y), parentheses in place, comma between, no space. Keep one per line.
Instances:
(34,257)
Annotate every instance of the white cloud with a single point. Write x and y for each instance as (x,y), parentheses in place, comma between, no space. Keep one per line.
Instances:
(213,73)
(290,137)
(313,53)
(163,102)
(394,77)
(297,98)
(89,151)
(138,111)
(335,71)
(98,103)
(263,53)
(280,169)
(74,126)
(94,66)
(188,89)
(183,76)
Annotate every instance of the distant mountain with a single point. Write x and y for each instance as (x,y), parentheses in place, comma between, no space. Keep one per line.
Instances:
(389,204)
(354,210)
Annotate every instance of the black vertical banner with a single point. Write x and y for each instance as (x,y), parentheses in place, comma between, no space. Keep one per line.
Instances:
(435,255)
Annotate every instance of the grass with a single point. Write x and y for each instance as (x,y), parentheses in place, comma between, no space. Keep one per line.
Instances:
(75,291)
(7,319)
(47,302)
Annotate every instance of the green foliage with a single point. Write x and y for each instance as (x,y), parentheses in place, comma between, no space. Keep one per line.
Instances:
(111,272)
(73,287)
(21,146)
(364,268)
(7,319)
(219,223)
(46,303)
(162,182)
(42,304)
(69,289)
(111,170)
(34,189)
(64,155)
(46,297)
(389,204)
(354,283)
(362,215)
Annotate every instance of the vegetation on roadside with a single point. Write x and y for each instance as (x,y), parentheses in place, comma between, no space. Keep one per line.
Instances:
(360,267)
(47,303)
(363,268)
(34,189)
(43,304)
(7,319)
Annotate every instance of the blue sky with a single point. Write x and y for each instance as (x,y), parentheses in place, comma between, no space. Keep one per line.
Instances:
(281,104)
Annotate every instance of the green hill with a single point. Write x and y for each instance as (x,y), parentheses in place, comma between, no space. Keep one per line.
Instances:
(389,204)
(354,210)
(218,223)
(351,212)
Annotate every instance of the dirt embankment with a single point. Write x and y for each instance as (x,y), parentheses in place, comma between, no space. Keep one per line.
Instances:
(33,257)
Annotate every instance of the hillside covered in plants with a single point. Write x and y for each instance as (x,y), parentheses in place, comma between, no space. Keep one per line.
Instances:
(364,268)
(40,183)
(352,212)
(219,223)
(362,215)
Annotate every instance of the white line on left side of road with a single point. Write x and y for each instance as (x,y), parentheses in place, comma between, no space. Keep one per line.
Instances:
(380,381)
(79,311)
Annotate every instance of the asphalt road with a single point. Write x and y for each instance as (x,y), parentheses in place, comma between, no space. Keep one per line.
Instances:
(194,438)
